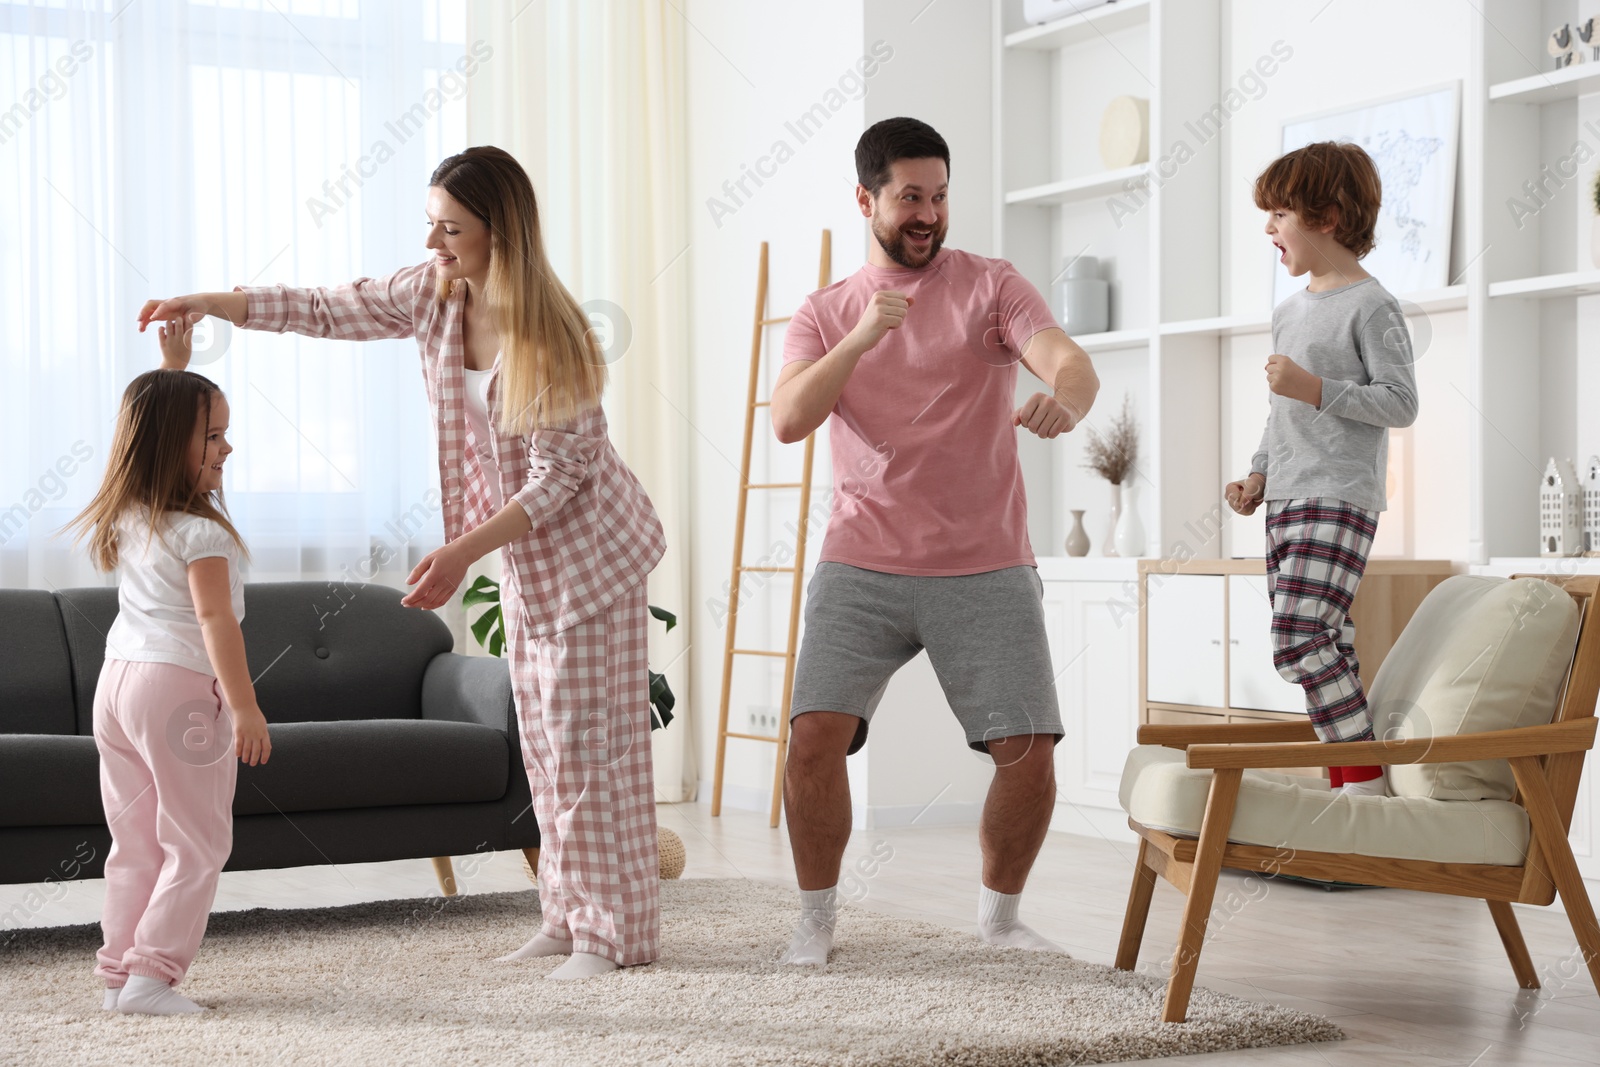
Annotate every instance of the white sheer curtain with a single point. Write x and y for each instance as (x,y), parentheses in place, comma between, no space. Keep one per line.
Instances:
(590,98)
(161,147)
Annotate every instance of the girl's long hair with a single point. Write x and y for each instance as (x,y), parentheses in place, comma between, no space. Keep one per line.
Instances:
(149,464)
(551,366)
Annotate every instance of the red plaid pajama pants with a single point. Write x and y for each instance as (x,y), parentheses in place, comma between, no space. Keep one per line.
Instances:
(582,697)
(1316,553)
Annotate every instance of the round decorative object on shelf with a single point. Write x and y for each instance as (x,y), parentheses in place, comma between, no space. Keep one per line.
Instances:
(1125,132)
(673,854)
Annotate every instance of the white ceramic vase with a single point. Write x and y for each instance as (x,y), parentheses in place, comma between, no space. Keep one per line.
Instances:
(1108,543)
(1130,530)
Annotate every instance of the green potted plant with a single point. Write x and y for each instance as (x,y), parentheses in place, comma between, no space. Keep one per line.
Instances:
(490,632)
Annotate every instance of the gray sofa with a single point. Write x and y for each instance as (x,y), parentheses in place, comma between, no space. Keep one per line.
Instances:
(385,744)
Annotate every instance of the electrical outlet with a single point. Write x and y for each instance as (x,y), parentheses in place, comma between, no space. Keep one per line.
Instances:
(763,719)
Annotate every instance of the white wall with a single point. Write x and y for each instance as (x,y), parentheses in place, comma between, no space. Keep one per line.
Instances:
(1355,50)
(751,74)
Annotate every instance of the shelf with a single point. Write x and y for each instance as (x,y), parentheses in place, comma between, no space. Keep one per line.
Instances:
(1500,566)
(1579,80)
(1224,326)
(1065,192)
(1548,286)
(1113,340)
(1449,298)
(1094,568)
(1073,29)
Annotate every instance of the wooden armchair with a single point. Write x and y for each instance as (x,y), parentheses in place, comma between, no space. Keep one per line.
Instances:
(1546,760)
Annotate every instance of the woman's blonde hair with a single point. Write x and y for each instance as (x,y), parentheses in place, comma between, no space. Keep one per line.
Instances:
(149,464)
(551,365)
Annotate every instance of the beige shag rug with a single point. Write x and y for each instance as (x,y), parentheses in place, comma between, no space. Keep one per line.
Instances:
(413,981)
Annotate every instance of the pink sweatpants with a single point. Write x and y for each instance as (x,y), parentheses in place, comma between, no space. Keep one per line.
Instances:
(167,773)
(583,710)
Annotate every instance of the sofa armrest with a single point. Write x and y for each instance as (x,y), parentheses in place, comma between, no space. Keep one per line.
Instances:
(457,688)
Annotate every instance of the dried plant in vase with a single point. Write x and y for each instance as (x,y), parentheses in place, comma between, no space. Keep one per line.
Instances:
(1113,454)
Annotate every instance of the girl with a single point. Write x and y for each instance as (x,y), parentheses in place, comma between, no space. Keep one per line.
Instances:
(514,378)
(175,688)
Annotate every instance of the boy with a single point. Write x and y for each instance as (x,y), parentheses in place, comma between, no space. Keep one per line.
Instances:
(1341,377)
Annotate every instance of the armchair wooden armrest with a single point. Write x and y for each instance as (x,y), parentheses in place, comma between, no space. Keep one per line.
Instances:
(1183,735)
(1575,736)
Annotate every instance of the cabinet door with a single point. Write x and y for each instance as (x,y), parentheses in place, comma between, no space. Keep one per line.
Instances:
(1184,657)
(1253,682)
(1098,691)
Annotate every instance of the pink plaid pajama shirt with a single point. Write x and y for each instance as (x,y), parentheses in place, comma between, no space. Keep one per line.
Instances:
(573,601)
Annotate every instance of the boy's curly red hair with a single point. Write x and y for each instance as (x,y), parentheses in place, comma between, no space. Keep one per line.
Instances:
(1329,181)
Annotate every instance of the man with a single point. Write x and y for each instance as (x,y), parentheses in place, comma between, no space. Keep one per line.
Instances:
(912,360)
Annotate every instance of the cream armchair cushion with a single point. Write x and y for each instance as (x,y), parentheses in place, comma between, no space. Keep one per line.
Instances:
(1301,814)
(1480,654)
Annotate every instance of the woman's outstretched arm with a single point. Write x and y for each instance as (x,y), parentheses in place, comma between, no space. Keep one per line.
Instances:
(364,310)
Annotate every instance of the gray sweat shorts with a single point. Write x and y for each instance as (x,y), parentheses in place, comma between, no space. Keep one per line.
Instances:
(984,634)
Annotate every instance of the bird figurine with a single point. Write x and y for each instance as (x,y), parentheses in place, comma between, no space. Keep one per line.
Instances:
(1561,47)
(1585,31)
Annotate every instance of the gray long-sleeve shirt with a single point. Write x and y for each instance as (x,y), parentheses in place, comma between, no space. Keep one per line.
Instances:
(1354,338)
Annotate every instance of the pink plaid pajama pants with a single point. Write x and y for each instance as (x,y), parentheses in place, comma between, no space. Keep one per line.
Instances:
(582,697)
(1317,551)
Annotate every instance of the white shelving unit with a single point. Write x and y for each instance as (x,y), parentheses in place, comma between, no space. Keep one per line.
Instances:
(1530,307)
(1058,201)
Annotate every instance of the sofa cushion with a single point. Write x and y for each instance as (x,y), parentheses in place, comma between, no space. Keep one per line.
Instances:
(49,781)
(1480,654)
(36,675)
(324,766)
(319,766)
(320,651)
(1292,812)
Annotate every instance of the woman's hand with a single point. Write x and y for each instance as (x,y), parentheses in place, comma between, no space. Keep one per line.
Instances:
(177,341)
(437,577)
(174,307)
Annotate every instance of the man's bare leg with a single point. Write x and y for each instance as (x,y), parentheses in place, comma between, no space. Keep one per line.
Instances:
(1016,816)
(816,801)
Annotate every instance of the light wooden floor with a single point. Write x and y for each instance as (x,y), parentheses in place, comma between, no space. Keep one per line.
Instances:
(1412,979)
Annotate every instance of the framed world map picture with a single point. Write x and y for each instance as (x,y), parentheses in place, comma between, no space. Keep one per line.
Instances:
(1412,138)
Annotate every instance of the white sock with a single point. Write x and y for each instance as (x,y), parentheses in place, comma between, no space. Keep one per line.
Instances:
(813,935)
(582,965)
(1372,787)
(998,925)
(542,944)
(110,1002)
(152,996)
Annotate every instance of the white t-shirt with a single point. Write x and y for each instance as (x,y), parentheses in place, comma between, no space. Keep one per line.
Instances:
(156,622)
(477,389)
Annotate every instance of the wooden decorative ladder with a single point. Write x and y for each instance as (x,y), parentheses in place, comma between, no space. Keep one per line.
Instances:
(797,569)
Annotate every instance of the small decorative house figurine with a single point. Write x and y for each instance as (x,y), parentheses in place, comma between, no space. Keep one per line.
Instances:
(1560,510)
(1591,505)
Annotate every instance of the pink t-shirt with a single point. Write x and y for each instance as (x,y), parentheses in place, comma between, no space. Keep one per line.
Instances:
(925,473)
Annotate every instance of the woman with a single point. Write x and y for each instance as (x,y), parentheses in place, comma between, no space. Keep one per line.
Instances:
(514,379)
